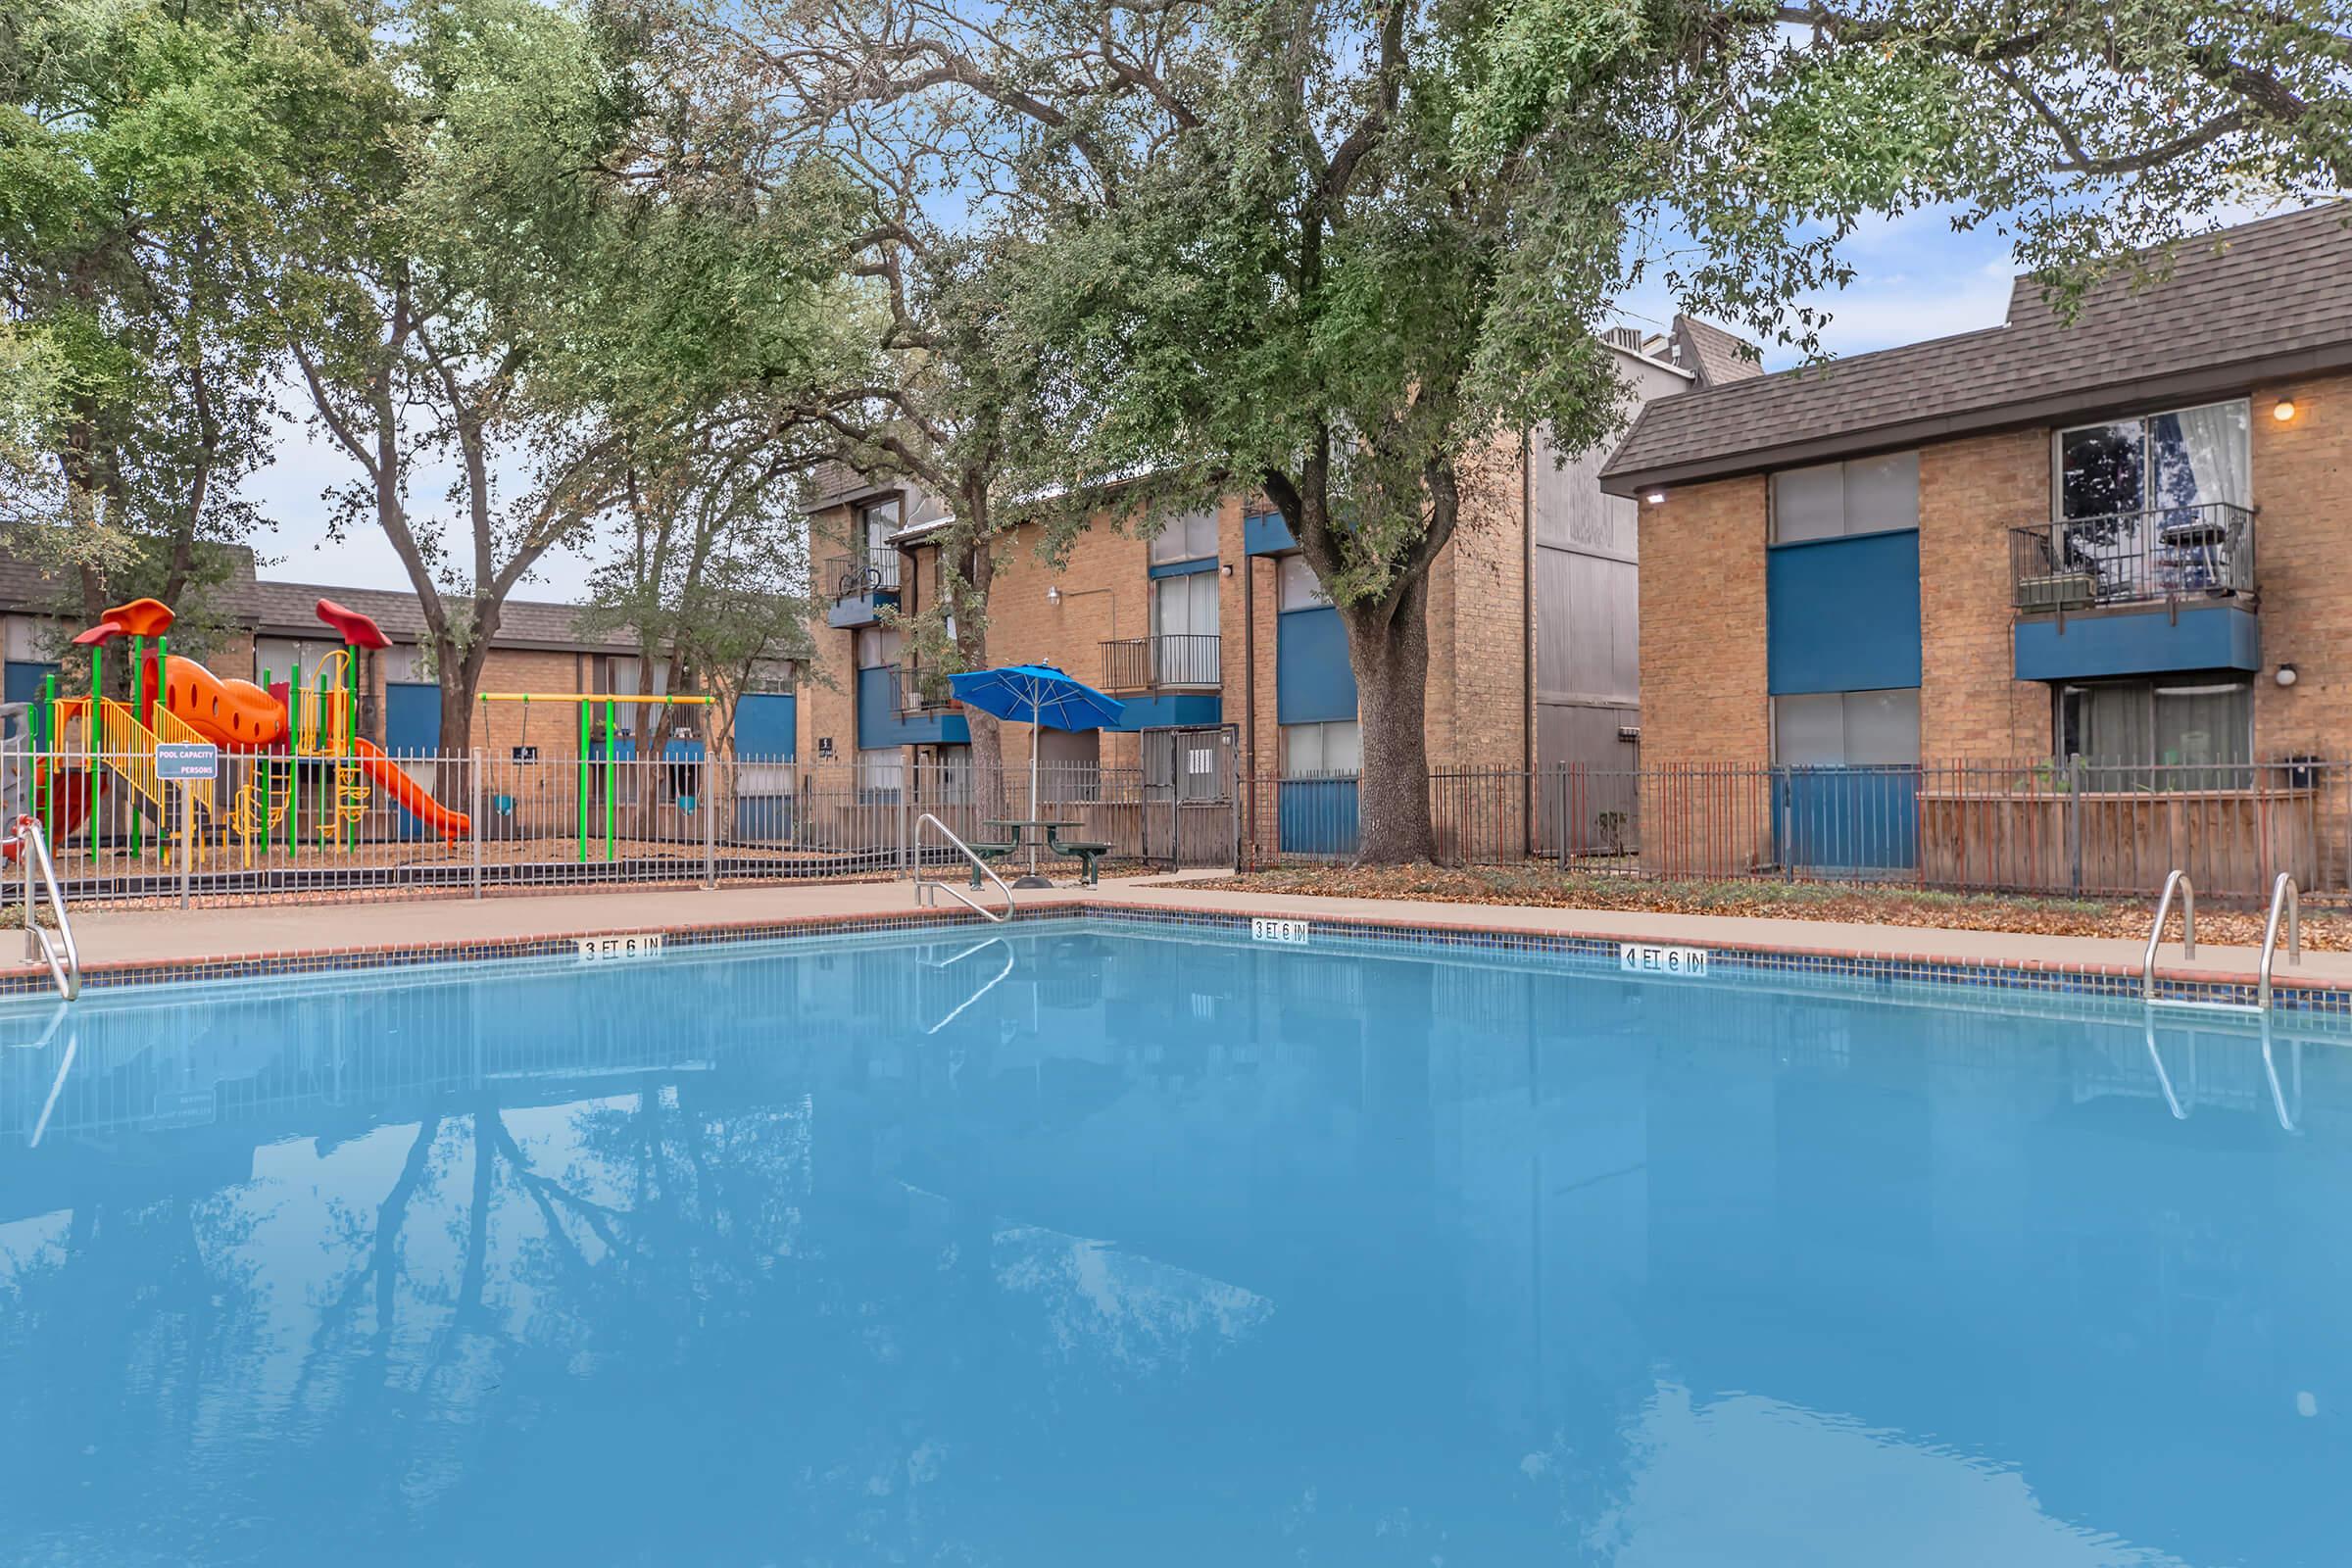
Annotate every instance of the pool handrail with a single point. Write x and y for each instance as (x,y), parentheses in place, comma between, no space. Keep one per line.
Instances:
(997,980)
(2177,881)
(60,953)
(2282,891)
(926,891)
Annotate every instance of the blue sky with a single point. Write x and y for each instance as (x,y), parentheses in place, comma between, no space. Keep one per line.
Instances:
(1914,280)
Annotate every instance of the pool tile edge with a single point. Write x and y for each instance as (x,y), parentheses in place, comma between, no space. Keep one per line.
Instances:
(1887,965)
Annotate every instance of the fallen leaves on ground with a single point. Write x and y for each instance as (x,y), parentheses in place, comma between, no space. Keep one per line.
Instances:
(2326,930)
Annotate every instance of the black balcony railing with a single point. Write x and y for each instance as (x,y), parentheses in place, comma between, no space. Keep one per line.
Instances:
(1148,663)
(918,690)
(862,574)
(2121,558)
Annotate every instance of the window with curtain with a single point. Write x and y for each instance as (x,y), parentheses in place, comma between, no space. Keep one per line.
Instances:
(1184,616)
(1298,588)
(2178,733)
(1832,500)
(1187,536)
(2146,499)
(1846,729)
(1336,746)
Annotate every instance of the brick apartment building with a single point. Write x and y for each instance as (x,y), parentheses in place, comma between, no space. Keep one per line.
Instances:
(2118,540)
(1227,659)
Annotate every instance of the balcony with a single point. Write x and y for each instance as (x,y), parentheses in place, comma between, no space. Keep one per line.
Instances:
(1179,660)
(860,584)
(918,690)
(2134,558)
(2082,588)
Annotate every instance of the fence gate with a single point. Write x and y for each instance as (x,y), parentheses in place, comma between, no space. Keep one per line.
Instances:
(1189,796)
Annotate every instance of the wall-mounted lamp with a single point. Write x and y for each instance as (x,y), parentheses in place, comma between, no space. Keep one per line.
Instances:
(1053,595)
(2286,676)
(1655,497)
(2283,410)
(1225,568)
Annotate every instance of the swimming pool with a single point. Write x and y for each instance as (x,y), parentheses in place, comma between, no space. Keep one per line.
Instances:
(1105,1244)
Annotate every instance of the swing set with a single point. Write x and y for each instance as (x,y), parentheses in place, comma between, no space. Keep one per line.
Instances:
(586,703)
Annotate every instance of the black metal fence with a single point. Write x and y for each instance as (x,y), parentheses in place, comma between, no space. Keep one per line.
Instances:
(2133,557)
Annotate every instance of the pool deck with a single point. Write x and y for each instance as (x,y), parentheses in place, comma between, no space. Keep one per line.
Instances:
(149,940)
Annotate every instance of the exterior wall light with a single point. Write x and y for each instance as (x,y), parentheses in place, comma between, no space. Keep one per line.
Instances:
(1053,595)
(1655,497)
(2283,410)
(1225,568)
(2286,676)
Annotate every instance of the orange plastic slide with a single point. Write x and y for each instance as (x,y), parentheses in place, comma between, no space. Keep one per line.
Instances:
(401,788)
(234,714)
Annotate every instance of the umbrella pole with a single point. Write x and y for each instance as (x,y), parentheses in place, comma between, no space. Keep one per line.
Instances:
(1037,708)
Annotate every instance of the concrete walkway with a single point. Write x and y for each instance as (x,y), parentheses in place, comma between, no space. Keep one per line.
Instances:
(168,936)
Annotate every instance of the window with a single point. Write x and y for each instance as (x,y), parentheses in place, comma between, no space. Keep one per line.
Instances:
(881,769)
(1336,746)
(877,520)
(1187,536)
(1846,729)
(877,647)
(2180,723)
(1298,588)
(1867,495)
(2186,457)
(1184,622)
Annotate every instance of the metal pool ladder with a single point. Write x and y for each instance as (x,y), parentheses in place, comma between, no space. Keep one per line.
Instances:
(2176,882)
(2283,892)
(926,891)
(59,951)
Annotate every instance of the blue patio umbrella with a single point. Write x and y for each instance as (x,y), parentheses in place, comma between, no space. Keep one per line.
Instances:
(1041,695)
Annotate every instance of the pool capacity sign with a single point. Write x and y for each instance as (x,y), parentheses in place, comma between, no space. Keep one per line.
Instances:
(1641,958)
(186,762)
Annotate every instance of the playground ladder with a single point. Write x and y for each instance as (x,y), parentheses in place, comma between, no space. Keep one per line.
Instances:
(59,951)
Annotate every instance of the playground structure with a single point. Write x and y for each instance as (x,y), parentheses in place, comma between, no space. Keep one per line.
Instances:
(303,736)
(599,759)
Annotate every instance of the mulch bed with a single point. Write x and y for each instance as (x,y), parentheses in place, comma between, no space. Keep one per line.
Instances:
(2327,930)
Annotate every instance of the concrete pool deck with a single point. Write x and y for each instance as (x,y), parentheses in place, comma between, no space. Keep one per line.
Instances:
(168,939)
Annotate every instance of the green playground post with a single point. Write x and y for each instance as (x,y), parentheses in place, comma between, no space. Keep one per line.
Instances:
(90,741)
(611,750)
(351,735)
(139,711)
(57,752)
(582,813)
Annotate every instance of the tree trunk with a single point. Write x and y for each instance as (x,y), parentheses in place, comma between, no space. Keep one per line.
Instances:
(1388,644)
(977,569)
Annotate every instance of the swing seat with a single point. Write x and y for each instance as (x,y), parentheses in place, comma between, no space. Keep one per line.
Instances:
(502,805)
(686,802)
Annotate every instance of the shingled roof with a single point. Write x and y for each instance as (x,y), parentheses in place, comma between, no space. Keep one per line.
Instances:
(2266,299)
(292,609)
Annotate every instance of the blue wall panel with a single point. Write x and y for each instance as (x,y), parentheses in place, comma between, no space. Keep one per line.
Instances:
(1264,533)
(1843,614)
(880,723)
(1312,679)
(1173,710)
(1318,816)
(767,727)
(1183,569)
(25,679)
(412,717)
(2140,642)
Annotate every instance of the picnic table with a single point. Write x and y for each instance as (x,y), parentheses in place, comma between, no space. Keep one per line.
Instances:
(1032,831)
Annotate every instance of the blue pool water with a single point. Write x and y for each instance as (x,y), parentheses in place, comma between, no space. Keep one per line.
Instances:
(1163,1249)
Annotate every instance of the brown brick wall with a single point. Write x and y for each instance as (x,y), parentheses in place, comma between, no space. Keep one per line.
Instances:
(1703,698)
(1971,494)
(1702,626)
(2303,486)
